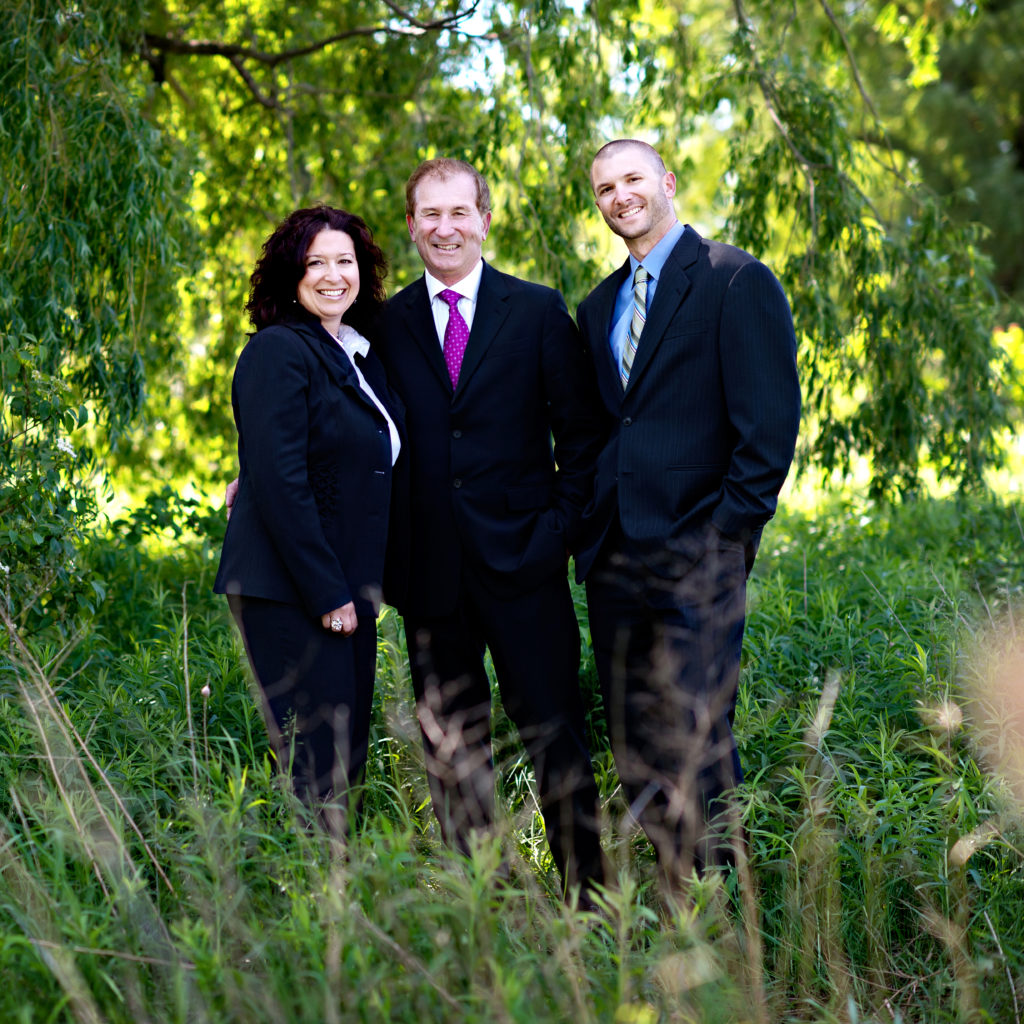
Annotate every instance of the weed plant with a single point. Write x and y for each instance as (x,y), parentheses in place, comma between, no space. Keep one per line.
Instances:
(154,868)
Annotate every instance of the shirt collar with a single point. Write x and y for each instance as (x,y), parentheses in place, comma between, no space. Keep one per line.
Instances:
(467,287)
(352,342)
(654,261)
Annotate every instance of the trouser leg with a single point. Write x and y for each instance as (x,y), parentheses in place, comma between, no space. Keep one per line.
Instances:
(453,704)
(535,645)
(667,653)
(317,693)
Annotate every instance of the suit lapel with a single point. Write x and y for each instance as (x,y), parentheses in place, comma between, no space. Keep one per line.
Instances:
(673,285)
(335,361)
(328,352)
(419,324)
(599,326)
(492,308)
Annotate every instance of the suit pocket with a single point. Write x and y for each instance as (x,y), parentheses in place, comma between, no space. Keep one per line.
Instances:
(682,328)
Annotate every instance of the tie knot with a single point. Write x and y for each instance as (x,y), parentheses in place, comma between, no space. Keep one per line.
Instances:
(640,274)
(452,298)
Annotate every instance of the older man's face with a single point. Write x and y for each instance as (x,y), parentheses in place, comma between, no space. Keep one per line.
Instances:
(447,227)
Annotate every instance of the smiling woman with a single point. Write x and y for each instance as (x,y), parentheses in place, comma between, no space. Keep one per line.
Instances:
(331,282)
(303,557)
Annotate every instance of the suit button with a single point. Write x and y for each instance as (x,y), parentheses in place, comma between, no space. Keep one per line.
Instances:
(456,433)
(457,483)
(628,421)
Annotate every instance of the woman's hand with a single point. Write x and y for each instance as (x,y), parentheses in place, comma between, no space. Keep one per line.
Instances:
(342,620)
(230,493)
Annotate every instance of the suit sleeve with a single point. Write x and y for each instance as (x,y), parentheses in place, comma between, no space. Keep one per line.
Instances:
(271,393)
(762,396)
(576,422)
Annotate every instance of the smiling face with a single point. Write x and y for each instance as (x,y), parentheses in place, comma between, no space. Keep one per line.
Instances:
(331,282)
(634,194)
(447,226)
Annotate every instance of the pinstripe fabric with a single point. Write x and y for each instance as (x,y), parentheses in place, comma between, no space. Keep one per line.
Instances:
(636,325)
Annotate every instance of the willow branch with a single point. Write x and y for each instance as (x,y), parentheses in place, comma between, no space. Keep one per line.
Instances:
(768,93)
(859,82)
(231,51)
(266,101)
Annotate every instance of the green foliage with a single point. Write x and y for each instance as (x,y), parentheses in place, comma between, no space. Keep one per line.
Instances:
(278,111)
(90,252)
(953,110)
(149,150)
(892,293)
(87,221)
(46,507)
(896,319)
(154,867)
(861,673)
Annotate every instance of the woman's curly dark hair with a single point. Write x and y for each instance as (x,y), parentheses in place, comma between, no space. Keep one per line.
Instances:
(282,265)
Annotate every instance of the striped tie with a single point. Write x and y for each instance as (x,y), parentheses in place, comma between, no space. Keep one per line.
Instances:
(636,325)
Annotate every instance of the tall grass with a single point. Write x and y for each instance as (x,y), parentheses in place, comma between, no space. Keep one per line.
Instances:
(153,867)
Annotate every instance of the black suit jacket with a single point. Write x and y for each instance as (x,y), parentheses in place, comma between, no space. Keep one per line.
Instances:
(309,524)
(704,433)
(481,481)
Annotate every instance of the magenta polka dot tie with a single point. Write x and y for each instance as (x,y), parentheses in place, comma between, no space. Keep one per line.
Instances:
(456,334)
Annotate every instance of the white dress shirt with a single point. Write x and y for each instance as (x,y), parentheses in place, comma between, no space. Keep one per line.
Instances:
(354,344)
(468,288)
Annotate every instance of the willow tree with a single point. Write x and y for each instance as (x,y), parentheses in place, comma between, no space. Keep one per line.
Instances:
(91,251)
(279,108)
(764,109)
(948,83)
(892,296)
(150,148)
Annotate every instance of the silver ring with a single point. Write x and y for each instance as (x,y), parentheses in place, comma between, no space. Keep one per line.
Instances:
(336,625)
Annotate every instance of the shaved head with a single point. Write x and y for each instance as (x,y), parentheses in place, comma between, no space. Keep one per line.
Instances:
(634,193)
(649,153)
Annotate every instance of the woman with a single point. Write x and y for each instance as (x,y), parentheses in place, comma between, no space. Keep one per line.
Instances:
(318,434)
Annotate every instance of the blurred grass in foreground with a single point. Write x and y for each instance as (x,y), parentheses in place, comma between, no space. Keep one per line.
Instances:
(152,867)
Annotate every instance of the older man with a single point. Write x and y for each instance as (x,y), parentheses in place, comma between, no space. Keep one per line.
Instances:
(490,368)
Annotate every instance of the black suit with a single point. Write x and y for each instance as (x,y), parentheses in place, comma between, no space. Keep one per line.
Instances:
(307,534)
(480,531)
(700,443)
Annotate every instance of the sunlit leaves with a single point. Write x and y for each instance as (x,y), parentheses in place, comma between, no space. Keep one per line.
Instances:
(895,313)
(776,118)
(90,258)
(87,190)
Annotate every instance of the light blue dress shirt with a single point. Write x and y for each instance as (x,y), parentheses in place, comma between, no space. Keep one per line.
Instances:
(654,263)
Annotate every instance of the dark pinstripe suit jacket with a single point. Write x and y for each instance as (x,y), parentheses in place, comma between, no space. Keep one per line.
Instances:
(705,431)
(309,525)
